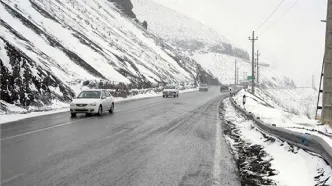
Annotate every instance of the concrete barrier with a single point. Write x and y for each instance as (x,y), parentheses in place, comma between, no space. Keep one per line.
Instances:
(302,140)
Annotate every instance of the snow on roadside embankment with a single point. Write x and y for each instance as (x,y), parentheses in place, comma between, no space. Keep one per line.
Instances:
(18,113)
(290,112)
(265,160)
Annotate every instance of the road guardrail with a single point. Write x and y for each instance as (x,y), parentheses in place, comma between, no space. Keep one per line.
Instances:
(302,140)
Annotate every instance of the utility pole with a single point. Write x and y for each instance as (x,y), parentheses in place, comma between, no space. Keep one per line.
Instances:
(327,79)
(237,76)
(257,56)
(235,73)
(253,39)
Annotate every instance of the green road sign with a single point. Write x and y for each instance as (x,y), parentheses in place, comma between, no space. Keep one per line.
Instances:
(249,78)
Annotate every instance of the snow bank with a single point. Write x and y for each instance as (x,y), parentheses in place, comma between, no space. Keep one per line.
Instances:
(293,166)
(285,113)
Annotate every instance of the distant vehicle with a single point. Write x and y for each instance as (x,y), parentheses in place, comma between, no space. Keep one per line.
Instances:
(203,87)
(170,91)
(181,87)
(92,102)
(223,88)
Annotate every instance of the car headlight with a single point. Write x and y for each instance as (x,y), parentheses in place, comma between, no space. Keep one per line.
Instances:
(72,104)
(92,104)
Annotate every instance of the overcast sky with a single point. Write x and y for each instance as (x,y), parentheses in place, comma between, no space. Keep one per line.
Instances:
(294,44)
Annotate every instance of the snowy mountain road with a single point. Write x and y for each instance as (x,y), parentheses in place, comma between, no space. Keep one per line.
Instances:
(154,141)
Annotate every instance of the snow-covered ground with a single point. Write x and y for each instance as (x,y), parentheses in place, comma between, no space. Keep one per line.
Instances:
(298,100)
(285,108)
(18,113)
(264,160)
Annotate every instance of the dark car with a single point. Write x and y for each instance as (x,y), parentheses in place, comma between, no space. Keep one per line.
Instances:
(223,88)
(203,87)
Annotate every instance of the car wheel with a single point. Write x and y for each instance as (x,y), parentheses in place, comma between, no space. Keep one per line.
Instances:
(100,111)
(163,96)
(73,114)
(175,95)
(112,109)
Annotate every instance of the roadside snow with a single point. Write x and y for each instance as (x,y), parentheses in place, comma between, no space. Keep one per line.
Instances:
(293,166)
(16,117)
(301,100)
(263,105)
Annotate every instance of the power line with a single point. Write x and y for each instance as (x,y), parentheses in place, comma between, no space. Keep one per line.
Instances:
(283,15)
(274,11)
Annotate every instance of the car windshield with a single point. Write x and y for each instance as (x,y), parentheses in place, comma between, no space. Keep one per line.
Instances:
(203,85)
(170,87)
(89,95)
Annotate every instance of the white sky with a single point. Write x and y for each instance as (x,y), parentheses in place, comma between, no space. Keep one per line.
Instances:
(295,44)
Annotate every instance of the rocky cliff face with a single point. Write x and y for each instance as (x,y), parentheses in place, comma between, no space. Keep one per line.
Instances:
(125,6)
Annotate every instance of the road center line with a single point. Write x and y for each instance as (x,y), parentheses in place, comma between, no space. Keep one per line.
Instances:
(12,178)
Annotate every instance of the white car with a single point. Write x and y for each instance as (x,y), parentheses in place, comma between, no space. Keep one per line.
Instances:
(92,102)
(171,91)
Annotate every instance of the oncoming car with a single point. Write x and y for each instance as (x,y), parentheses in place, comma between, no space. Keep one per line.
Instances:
(223,88)
(170,91)
(92,102)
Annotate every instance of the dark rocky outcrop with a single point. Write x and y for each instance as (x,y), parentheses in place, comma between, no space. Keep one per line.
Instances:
(125,6)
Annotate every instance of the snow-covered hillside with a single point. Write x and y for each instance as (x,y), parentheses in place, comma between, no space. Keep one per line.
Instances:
(223,67)
(48,45)
(182,31)
(213,52)
(300,101)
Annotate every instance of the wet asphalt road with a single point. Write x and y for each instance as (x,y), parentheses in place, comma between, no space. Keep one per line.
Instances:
(155,141)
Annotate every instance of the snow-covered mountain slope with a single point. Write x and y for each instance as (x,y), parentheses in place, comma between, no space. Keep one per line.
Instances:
(182,31)
(223,67)
(64,41)
(213,52)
